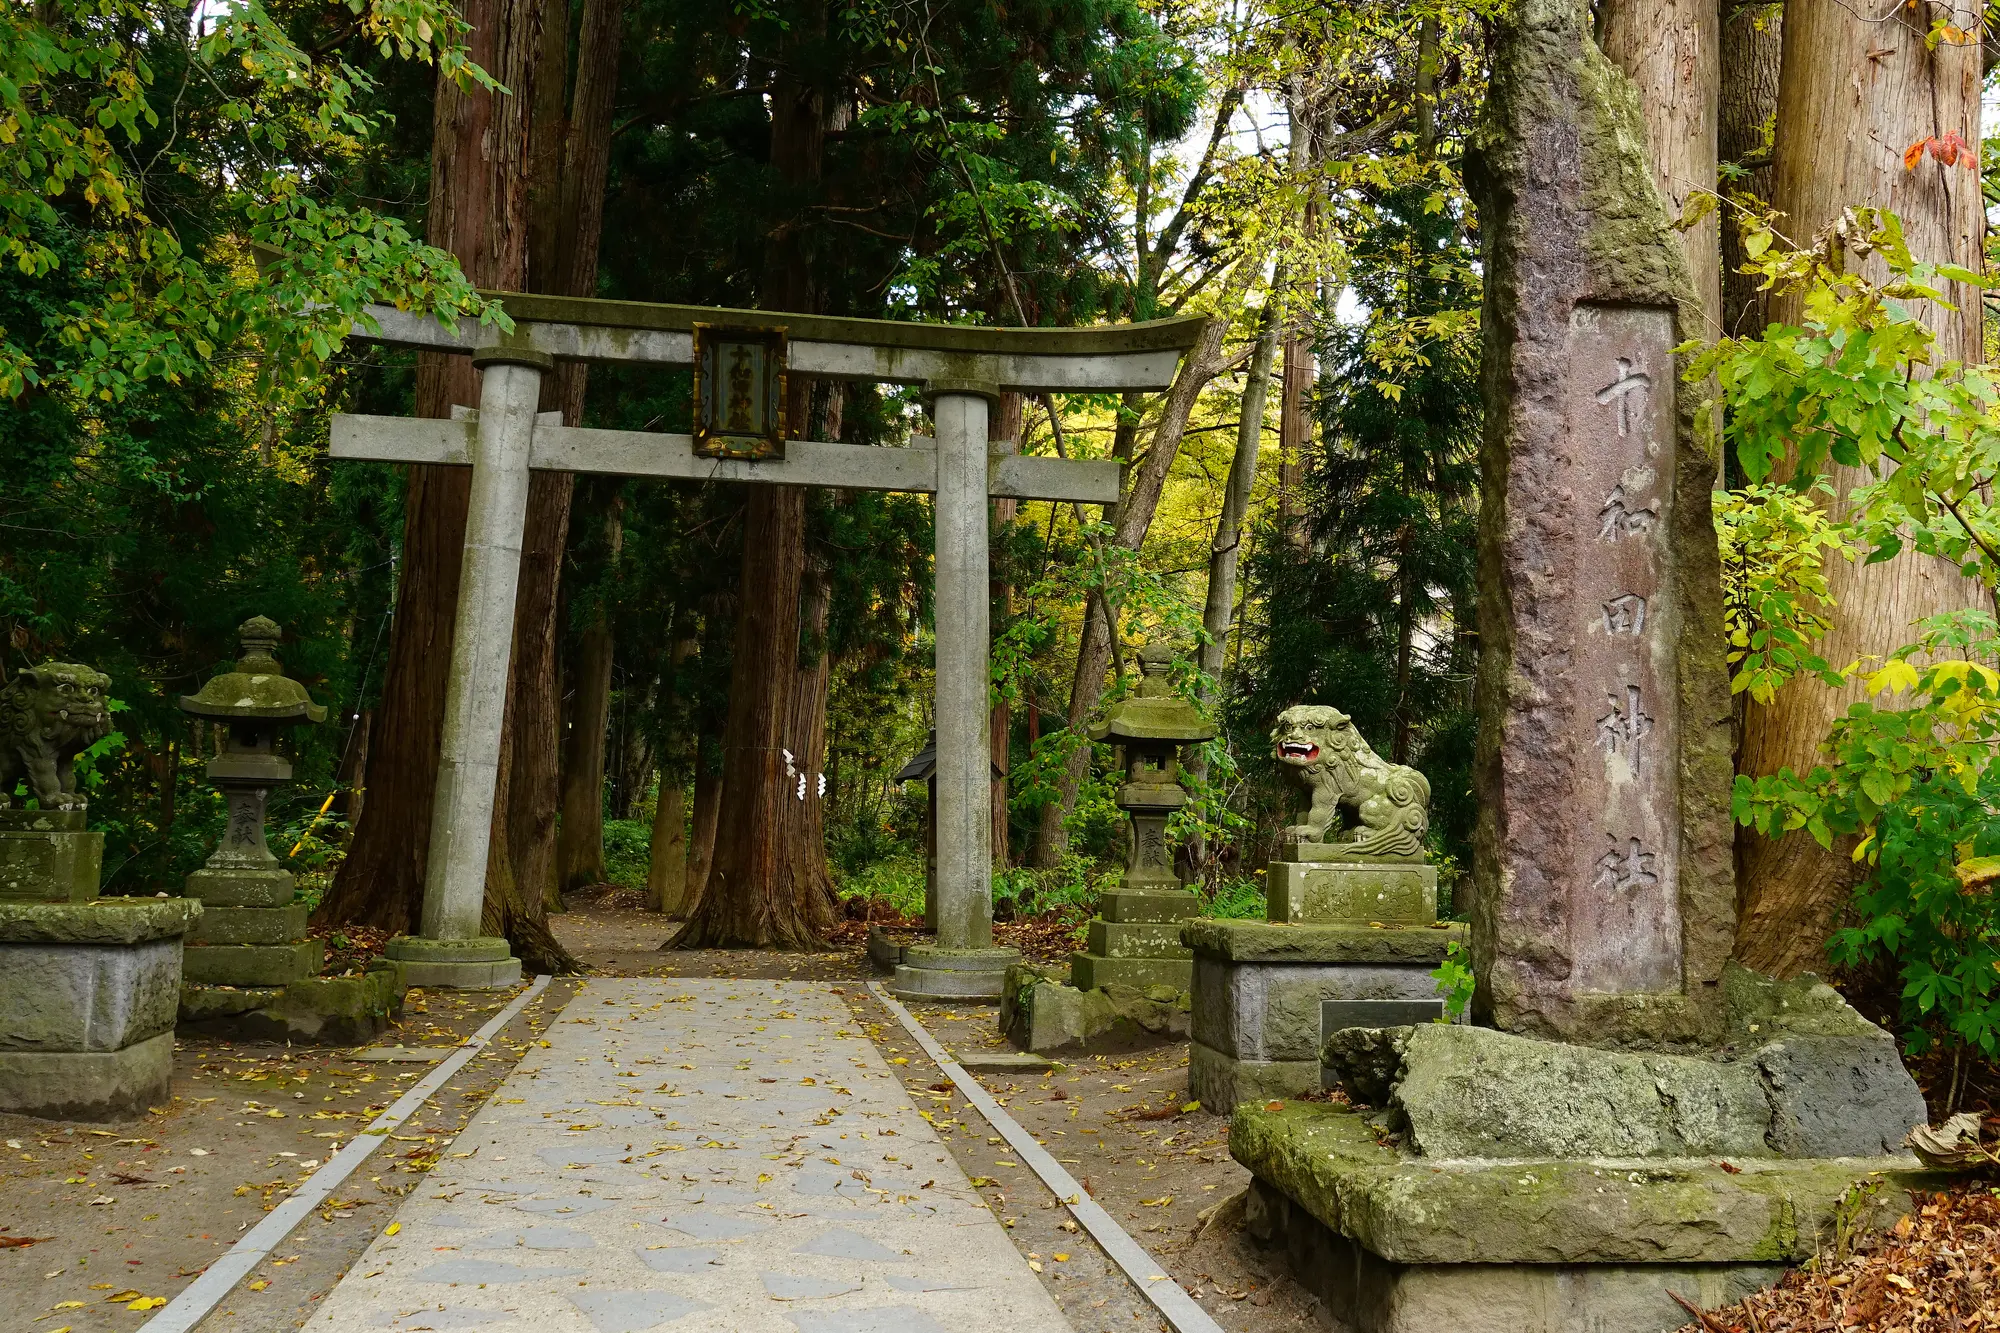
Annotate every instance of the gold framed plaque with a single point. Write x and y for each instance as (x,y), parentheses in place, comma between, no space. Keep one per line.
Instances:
(739,391)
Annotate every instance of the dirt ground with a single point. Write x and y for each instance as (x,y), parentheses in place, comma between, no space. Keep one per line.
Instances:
(118,1217)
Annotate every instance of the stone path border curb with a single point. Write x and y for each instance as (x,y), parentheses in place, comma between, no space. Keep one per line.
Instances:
(207,1291)
(1166,1296)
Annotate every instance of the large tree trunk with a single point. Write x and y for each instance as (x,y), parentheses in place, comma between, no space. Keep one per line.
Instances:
(1853,95)
(580,845)
(667,849)
(478,212)
(1746,109)
(1670,50)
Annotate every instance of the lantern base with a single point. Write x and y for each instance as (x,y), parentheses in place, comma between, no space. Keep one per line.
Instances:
(932,973)
(485,963)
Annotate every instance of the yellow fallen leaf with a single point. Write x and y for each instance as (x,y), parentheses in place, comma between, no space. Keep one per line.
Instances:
(259,1285)
(392,1228)
(1160,1202)
(147,1303)
(67,1305)
(900,1060)
(126,1296)
(1061,1258)
(1032,1264)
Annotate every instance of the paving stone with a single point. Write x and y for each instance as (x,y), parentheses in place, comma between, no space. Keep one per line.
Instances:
(690,1155)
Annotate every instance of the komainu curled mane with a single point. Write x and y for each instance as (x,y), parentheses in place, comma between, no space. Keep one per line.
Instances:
(1391,802)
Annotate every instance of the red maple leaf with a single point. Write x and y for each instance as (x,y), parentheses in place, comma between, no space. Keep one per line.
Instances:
(1948,149)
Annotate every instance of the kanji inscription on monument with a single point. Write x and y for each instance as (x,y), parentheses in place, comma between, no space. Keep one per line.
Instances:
(1624,911)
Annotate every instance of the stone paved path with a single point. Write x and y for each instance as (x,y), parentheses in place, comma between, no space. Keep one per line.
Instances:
(691,1155)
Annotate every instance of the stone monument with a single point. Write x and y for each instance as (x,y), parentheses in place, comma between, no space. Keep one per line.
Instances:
(1634,1115)
(1352,934)
(87,984)
(250,968)
(1135,939)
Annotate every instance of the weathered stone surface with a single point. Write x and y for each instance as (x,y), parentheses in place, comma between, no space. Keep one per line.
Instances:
(1369,1294)
(87,997)
(1327,1160)
(1364,1062)
(1223,1082)
(242,888)
(104,921)
(417,949)
(1603,899)
(249,925)
(50,865)
(50,714)
(1317,893)
(1315,942)
(1136,939)
(88,1085)
(931,972)
(1124,905)
(1094,972)
(1262,1011)
(327,1010)
(1838,1096)
(253,964)
(1342,773)
(1039,1014)
(451,975)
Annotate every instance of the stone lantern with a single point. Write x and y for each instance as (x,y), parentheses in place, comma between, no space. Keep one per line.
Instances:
(1135,939)
(251,933)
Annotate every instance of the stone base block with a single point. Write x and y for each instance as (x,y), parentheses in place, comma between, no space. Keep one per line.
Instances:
(1399,893)
(339,1011)
(1369,1294)
(241,888)
(1400,1243)
(249,925)
(1136,939)
(886,946)
(1039,1014)
(1221,1082)
(88,1085)
(252,964)
(1132,905)
(47,856)
(931,973)
(483,963)
(1093,971)
(89,977)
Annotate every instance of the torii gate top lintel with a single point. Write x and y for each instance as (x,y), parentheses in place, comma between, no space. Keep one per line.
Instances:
(1114,356)
(961,368)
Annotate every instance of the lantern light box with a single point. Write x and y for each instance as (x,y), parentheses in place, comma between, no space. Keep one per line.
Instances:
(739,392)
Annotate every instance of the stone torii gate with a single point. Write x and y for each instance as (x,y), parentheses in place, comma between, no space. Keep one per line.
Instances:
(962,369)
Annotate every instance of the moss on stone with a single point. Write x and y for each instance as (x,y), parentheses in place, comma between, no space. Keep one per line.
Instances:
(101,921)
(1312,942)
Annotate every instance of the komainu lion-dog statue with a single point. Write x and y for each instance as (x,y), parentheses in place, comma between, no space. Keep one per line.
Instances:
(1329,758)
(48,716)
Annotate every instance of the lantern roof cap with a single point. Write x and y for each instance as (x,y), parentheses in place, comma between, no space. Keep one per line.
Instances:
(1153,712)
(258,687)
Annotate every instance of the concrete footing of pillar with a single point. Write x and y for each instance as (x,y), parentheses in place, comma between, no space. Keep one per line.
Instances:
(929,972)
(484,963)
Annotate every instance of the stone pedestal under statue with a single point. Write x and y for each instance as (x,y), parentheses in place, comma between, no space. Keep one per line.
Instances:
(250,968)
(87,984)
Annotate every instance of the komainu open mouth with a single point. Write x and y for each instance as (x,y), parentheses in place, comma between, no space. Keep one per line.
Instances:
(1297,750)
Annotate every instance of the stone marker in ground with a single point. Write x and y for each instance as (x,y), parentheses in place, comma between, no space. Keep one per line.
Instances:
(1352,930)
(1633,1114)
(696,1155)
(250,969)
(87,984)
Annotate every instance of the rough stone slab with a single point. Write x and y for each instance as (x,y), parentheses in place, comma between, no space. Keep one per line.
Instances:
(1270,1011)
(250,925)
(1317,942)
(103,921)
(88,1085)
(1003,1062)
(1136,939)
(242,888)
(925,983)
(1335,1015)
(418,949)
(253,964)
(1595,1210)
(1039,1014)
(87,997)
(1129,905)
(455,975)
(639,1174)
(1369,1294)
(338,1011)
(1222,1082)
(50,865)
(1089,971)
(1400,894)
(20,819)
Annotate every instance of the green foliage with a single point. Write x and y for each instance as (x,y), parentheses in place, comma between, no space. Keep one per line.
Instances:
(896,881)
(1238,898)
(1775,542)
(627,849)
(1454,977)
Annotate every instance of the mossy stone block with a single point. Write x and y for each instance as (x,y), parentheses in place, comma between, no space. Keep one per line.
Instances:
(1137,939)
(89,1085)
(242,888)
(250,925)
(253,964)
(1401,893)
(1132,905)
(50,865)
(87,997)
(1091,971)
